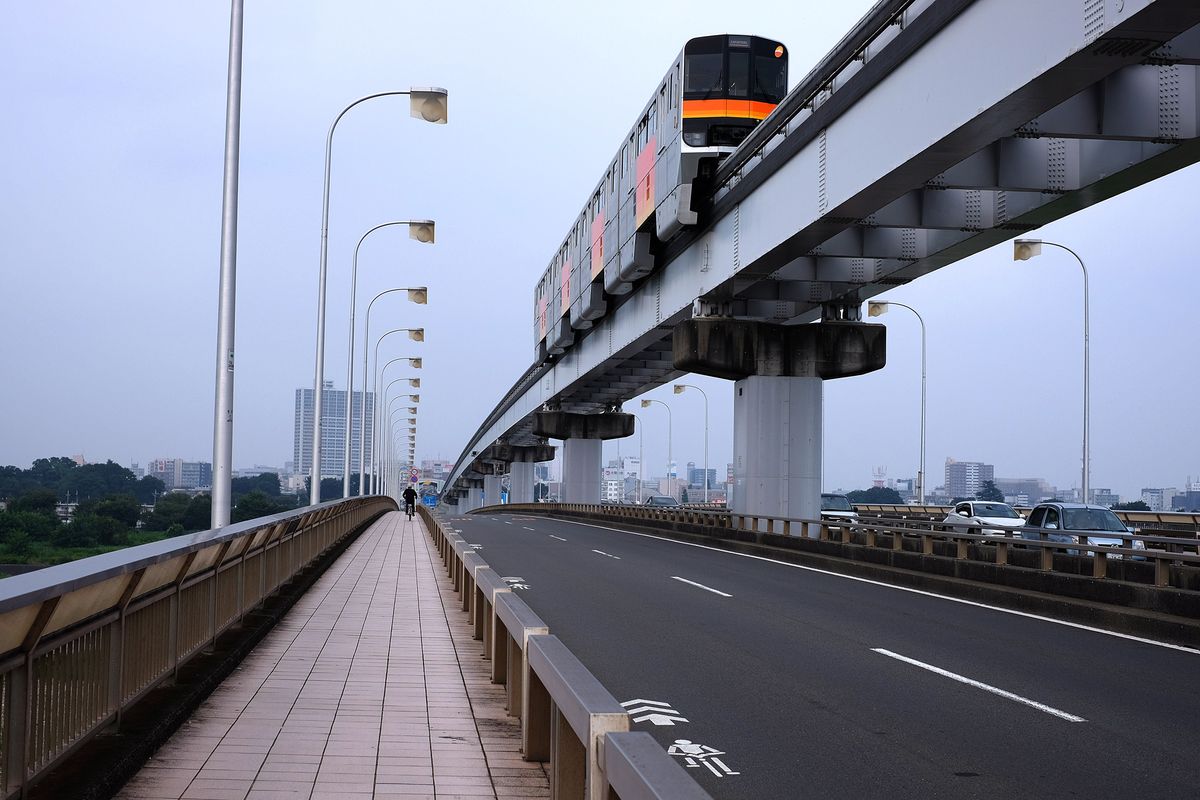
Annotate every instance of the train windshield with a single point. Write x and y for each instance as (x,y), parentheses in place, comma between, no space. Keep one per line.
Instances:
(770,72)
(705,74)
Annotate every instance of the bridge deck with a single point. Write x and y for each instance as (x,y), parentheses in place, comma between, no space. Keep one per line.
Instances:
(369,687)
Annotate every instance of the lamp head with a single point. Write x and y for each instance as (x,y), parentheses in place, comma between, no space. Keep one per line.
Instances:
(414,383)
(417,334)
(415,363)
(416,398)
(876,309)
(1025,249)
(418,295)
(421,230)
(412,420)
(429,104)
(680,388)
(645,404)
(412,409)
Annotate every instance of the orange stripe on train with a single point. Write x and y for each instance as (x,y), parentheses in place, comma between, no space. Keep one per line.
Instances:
(736,109)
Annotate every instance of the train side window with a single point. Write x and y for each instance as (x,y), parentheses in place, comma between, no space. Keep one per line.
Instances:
(652,121)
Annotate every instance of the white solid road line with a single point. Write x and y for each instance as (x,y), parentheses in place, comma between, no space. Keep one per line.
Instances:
(610,555)
(699,586)
(1014,612)
(1000,692)
(526,527)
(561,539)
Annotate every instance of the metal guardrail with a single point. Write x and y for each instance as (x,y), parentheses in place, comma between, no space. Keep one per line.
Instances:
(567,717)
(1170,555)
(81,642)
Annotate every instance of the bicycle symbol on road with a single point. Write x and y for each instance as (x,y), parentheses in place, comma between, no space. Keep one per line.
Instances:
(696,754)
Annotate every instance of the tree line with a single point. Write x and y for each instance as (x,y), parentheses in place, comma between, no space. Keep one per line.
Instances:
(115,509)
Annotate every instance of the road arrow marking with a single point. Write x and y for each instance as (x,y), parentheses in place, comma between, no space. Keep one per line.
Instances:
(653,711)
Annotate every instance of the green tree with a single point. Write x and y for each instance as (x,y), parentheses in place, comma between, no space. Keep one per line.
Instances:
(988,491)
(89,530)
(124,508)
(97,480)
(37,501)
(255,505)
(49,473)
(198,516)
(168,511)
(1133,505)
(266,483)
(39,527)
(148,489)
(876,495)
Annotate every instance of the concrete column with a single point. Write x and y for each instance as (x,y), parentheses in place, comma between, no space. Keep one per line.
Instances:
(581,470)
(777,446)
(474,498)
(520,477)
(491,490)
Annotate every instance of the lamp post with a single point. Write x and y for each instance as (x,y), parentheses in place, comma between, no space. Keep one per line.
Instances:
(422,231)
(222,479)
(878,309)
(415,363)
(647,404)
(427,104)
(641,444)
(418,295)
(679,389)
(1023,250)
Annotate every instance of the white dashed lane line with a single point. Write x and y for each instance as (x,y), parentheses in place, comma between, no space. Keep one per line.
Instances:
(1016,698)
(561,539)
(601,552)
(699,586)
(526,527)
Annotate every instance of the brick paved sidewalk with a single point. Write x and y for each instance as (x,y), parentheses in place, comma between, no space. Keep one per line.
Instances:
(367,688)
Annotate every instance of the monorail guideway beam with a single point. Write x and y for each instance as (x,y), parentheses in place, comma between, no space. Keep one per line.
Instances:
(777,397)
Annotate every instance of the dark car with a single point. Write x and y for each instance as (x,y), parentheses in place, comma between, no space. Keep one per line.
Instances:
(661,501)
(1078,523)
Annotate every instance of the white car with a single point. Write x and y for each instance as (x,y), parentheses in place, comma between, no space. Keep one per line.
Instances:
(984,516)
(837,506)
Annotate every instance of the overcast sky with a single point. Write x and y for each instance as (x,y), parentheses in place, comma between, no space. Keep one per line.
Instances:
(110,223)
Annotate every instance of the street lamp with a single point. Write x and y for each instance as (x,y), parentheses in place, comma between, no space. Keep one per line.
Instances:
(382,405)
(416,294)
(1023,250)
(647,404)
(679,389)
(222,477)
(428,104)
(641,451)
(875,309)
(422,230)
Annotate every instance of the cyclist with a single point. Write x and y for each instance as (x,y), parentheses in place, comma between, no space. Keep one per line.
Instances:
(410,500)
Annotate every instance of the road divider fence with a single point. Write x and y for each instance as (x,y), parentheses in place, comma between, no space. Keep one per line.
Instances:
(567,717)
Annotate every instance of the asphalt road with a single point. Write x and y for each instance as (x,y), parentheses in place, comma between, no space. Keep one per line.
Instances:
(814,685)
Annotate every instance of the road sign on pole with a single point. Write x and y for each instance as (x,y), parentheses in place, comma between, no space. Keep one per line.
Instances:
(413,474)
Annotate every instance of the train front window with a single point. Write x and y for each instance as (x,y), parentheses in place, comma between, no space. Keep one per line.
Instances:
(739,73)
(703,74)
(770,78)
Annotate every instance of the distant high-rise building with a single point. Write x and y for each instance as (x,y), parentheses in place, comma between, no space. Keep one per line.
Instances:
(1104,497)
(333,430)
(175,473)
(1159,499)
(695,477)
(965,478)
(436,469)
(1025,491)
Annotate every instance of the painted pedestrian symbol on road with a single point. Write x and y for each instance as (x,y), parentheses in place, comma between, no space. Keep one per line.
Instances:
(696,754)
(516,583)
(655,711)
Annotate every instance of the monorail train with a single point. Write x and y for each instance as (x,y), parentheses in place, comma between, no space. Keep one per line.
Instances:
(714,94)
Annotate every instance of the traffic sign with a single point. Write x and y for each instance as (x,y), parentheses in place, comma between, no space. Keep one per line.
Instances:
(413,474)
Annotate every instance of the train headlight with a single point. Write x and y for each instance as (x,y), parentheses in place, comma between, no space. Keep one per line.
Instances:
(694,138)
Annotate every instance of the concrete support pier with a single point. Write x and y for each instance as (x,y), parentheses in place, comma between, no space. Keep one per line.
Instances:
(581,470)
(777,446)
(491,490)
(520,480)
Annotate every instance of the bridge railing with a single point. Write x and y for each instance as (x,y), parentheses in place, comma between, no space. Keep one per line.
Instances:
(567,717)
(1181,521)
(1175,559)
(81,642)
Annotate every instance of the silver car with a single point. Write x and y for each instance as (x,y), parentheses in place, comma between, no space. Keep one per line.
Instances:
(984,516)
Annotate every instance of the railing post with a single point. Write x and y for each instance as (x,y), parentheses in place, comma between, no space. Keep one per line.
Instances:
(20,709)
(1162,572)
(1001,553)
(1047,558)
(116,648)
